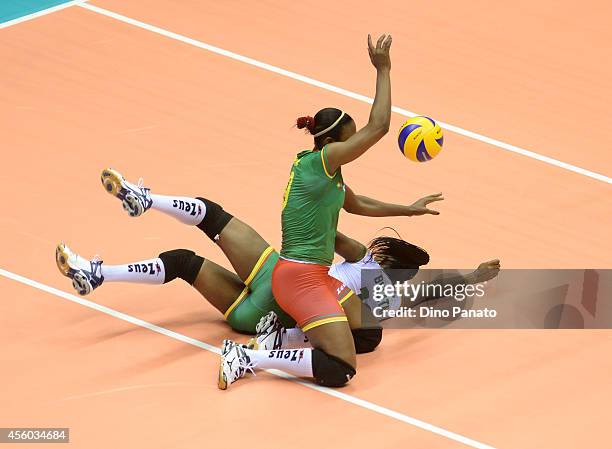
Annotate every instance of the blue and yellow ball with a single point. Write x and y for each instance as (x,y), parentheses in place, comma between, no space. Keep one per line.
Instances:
(420,139)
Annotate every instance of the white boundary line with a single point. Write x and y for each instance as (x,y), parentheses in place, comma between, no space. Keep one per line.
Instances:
(40,13)
(341,91)
(347,93)
(200,344)
(311,81)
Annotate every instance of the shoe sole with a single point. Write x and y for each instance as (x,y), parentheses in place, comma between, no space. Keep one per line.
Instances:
(81,284)
(112,181)
(268,320)
(61,259)
(132,206)
(221,382)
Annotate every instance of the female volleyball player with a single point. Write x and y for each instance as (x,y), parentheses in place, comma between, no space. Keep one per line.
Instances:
(243,297)
(387,260)
(314,195)
(301,282)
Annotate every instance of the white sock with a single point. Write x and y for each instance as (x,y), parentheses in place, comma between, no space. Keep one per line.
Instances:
(293,361)
(149,271)
(295,338)
(189,211)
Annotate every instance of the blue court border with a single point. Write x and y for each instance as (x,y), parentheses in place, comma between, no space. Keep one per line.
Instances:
(14,9)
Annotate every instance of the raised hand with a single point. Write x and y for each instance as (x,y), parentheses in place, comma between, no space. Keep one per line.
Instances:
(379,55)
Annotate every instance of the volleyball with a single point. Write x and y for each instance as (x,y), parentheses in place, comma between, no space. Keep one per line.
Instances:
(420,139)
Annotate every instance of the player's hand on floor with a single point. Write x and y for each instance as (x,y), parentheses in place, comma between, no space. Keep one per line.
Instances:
(419,207)
(487,270)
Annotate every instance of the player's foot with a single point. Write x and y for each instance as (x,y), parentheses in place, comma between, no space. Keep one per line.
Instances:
(86,274)
(234,363)
(269,332)
(135,197)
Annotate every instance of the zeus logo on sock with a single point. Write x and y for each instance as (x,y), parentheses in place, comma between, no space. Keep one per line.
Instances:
(188,207)
(144,268)
(287,354)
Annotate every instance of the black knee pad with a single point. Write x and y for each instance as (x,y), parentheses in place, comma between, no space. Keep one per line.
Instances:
(330,371)
(366,340)
(214,220)
(181,263)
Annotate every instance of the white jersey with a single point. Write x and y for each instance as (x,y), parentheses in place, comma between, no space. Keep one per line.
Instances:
(350,274)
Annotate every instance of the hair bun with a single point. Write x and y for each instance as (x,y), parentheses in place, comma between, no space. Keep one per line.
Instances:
(307,122)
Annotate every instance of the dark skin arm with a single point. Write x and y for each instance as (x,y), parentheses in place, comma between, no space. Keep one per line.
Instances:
(369,207)
(340,153)
(485,272)
(349,249)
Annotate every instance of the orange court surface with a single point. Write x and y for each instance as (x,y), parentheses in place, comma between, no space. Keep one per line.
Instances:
(199,98)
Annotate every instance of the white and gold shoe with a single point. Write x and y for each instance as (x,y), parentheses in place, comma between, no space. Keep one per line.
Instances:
(269,332)
(234,363)
(86,274)
(135,198)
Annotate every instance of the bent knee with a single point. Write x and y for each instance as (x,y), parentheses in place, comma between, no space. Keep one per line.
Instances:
(330,371)
(181,263)
(366,340)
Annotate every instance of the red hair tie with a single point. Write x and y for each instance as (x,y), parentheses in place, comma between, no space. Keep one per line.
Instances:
(307,122)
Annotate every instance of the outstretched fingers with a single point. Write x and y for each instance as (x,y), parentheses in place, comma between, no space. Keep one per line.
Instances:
(387,43)
(434,197)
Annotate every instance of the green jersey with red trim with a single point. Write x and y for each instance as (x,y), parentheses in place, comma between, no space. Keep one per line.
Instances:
(311,205)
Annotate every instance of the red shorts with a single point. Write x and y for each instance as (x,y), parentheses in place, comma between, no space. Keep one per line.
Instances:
(308,293)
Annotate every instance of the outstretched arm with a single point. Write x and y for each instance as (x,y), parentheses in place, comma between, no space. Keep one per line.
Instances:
(340,153)
(369,207)
(485,272)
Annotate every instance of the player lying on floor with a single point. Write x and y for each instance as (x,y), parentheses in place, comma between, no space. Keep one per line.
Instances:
(246,297)
(388,260)
(377,275)
(243,297)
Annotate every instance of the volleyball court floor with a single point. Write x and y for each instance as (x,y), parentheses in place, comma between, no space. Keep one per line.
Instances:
(137,86)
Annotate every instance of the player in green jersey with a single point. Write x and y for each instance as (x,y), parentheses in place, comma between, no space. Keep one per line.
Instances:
(243,297)
(314,195)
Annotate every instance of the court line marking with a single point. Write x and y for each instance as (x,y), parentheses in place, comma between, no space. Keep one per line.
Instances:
(200,344)
(341,91)
(308,80)
(42,12)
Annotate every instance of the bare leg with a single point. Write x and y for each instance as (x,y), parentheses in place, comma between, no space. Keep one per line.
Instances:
(331,361)
(334,339)
(352,309)
(358,314)
(219,286)
(242,245)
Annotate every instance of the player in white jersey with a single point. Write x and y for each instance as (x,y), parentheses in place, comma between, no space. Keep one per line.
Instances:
(384,263)
(401,260)
(364,284)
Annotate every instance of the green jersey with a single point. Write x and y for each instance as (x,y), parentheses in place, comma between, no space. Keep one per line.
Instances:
(311,205)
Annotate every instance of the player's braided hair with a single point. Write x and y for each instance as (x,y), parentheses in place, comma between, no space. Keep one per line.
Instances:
(322,120)
(395,253)
(399,259)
